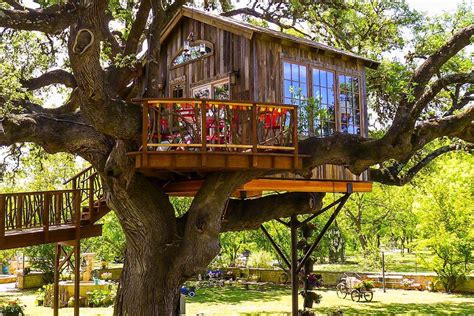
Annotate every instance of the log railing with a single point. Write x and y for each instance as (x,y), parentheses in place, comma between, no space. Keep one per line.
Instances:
(216,125)
(46,209)
(89,183)
(29,210)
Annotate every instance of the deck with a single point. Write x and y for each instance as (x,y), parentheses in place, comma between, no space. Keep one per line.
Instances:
(210,135)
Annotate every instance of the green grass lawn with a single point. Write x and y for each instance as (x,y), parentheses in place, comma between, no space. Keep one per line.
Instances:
(275,300)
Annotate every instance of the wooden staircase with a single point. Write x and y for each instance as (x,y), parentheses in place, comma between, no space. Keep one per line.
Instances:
(34,218)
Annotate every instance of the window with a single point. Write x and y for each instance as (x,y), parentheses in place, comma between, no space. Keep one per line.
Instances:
(349,110)
(294,83)
(192,52)
(178,91)
(322,107)
(216,90)
(323,94)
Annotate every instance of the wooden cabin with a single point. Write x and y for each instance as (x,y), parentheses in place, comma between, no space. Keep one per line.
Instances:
(237,96)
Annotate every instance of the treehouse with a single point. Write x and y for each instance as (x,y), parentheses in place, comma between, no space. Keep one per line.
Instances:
(235,96)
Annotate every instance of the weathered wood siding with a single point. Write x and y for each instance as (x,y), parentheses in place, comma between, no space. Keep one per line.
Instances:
(232,53)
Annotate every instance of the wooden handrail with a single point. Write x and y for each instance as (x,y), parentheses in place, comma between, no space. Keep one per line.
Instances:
(152,133)
(77,175)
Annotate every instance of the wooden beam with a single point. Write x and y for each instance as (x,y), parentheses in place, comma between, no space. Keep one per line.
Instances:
(259,185)
(31,237)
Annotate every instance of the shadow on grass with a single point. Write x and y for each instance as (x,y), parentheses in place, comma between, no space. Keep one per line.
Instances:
(401,309)
(238,294)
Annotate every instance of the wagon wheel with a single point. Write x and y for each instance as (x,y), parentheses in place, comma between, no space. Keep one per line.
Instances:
(368,296)
(341,290)
(355,295)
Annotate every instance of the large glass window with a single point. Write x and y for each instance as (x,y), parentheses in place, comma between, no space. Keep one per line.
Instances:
(349,110)
(324,108)
(295,83)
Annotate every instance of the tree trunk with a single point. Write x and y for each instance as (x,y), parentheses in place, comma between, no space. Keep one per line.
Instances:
(148,285)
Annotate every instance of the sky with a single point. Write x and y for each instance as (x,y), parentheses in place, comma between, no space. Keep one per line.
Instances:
(433,7)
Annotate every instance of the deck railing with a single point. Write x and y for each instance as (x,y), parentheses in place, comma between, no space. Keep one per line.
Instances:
(217,125)
(27,210)
(90,185)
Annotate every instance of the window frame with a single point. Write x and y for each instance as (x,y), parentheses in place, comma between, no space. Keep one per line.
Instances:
(192,44)
(337,72)
(211,85)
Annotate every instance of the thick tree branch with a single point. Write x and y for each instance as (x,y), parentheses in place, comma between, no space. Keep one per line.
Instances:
(39,126)
(264,16)
(390,177)
(138,28)
(437,86)
(433,63)
(52,20)
(57,76)
(251,213)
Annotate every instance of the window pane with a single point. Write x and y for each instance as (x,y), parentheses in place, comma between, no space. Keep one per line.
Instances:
(303,74)
(294,72)
(286,71)
(349,104)
(316,77)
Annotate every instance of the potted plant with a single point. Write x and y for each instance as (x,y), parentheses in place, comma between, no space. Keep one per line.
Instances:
(13,308)
(365,285)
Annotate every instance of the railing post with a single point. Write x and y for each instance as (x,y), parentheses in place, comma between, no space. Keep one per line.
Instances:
(19,211)
(145,135)
(203,133)
(295,137)
(91,194)
(254,134)
(46,205)
(3,212)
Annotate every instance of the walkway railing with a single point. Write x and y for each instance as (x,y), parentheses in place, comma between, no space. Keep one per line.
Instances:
(216,125)
(27,210)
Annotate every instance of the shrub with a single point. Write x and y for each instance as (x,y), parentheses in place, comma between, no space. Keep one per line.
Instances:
(260,259)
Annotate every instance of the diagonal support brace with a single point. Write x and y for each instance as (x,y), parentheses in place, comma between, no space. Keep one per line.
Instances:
(275,246)
(339,207)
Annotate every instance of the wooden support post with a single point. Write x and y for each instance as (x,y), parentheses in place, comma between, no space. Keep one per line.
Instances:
(77,273)
(294,266)
(56,280)
(145,136)
(203,133)
(254,135)
(77,250)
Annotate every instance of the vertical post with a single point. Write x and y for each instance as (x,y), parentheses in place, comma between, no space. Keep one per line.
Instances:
(56,280)
(294,265)
(3,212)
(158,124)
(203,133)
(383,271)
(19,211)
(77,250)
(295,136)
(46,205)
(145,135)
(254,134)
(91,194)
